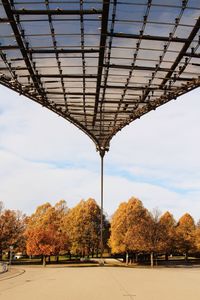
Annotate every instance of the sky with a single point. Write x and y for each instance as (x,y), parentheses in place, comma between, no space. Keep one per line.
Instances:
(44,158)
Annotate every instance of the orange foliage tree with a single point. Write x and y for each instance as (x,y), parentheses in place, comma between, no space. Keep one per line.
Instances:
(12,226)
(44,232)
(197,237)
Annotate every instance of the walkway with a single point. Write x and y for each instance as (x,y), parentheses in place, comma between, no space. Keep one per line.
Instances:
(102,283)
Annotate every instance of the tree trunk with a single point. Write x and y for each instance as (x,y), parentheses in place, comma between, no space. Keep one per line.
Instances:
(156,259)
(151,258)
(82,252)
(1,254)
(186,256)
(166,256)
(127,258)
(44,260)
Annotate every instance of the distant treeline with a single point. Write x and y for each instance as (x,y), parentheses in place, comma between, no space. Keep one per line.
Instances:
(133,231)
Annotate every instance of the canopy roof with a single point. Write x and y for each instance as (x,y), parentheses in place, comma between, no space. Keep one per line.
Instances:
(100,64)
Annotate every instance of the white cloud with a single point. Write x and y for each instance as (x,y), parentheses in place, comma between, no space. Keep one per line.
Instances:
(28,184)
(38,134)
(44,158)
(153,196)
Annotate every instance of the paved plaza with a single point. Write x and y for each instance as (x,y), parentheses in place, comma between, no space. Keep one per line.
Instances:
(101,283)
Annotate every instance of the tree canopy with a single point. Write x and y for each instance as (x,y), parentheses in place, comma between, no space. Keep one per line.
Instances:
(44,232)
(132,230)
(83,223)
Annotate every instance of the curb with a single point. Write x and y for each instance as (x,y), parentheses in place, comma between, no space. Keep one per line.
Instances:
(8,275)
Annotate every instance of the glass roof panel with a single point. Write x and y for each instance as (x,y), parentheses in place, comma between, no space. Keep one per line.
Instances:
(100,64)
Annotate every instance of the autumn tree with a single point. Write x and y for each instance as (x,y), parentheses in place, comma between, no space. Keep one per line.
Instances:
(197,237)
(12,226)
(168,234)
(137,219)
(127,227)
(118,230)
(1,207)
(83,222)
(44,231)
(62,211)
(186,234)
(152,235)
(134,229)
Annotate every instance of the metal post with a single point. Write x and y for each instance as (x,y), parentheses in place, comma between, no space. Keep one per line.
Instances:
(101,225)
(10,259)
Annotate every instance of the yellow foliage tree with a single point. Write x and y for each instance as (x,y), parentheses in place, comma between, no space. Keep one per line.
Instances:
(127,226)
(83,223)
(153,235)
(186,234)
(168,234)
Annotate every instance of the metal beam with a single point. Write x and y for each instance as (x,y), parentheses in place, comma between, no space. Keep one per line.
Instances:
(4,20)
(104,25)
(148,37)
(129,102)
(56,12)
(46,51)
(142,68)
(137,88)
(8,11)
(182,52)
(9,47)
(65,76)
(182,79)
(14,68)
(195,55)
(71,93)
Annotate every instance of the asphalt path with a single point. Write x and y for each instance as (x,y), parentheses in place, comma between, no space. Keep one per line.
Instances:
(100,283)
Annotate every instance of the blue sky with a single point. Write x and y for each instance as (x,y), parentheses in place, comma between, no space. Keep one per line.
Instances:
(45,158)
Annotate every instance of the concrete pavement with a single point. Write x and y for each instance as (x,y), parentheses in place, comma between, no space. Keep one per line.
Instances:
(102,283)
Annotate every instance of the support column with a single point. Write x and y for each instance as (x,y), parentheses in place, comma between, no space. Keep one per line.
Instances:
(101,225)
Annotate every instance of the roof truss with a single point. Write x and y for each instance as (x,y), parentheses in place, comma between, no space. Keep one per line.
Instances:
(100,64)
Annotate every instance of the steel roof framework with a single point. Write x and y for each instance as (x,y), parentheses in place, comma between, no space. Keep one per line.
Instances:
(100,64)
